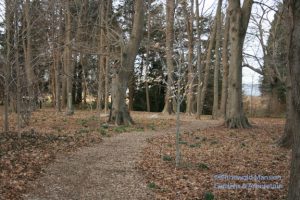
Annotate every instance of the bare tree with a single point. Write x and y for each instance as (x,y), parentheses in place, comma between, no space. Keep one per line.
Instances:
(208,61)
(67,59)
(239,19)
(225,66)
(120,114)
(168,108)
(215,111)
(8,30)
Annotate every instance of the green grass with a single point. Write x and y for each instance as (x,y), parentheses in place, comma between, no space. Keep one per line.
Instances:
(167,158)
(120,129)
(152,185)
(202,166)
(102,131)
(209,196)
(82,122)
(82,131)
(183,142)
(195,145)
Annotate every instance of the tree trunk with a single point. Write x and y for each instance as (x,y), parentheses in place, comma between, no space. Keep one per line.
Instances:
(120,114)
(225,69)
(16,47)
(147,58)
(287,139)
(6,62)
(101,59)
(168,108)
(107,75)
(189,27)
(28,57)
(131,87)
(217,63)
(68,61)
(57,81)
(207,64)
(239,19)
(294,69)
(199,109)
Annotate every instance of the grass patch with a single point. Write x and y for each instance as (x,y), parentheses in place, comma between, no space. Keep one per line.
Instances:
(120,129)
(83,122)
(102,131)
(195,145)
(209,196)
(167,158)
(83,131)
(152,185)
(202,166)
(183,142)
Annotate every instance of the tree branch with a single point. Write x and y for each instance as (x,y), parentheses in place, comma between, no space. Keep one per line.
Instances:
(254,69)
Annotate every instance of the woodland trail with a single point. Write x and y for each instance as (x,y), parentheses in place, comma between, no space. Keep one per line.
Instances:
(105,171)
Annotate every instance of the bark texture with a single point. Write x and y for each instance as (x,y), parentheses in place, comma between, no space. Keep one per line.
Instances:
(168,108)
(217,63)
(28,56)
(119,113)
(239,19)
(287,139)
(294,69)
(208,64)
(67,61)
(199,67)
(225,66)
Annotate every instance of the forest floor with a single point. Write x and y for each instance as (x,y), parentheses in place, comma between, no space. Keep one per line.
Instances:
(215,158)
(71,157)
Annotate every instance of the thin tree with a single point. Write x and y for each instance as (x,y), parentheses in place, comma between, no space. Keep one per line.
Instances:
(67,59)
(6,63)
(215,111)
(225,66)
(199,67)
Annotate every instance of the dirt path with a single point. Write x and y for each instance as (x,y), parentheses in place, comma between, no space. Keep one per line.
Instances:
(105,171)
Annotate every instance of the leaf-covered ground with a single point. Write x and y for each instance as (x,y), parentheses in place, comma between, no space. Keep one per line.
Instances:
(219,151)
(24,154)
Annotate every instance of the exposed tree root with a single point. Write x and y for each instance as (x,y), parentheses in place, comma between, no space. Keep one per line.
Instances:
(238,122)
(287,139)
(121,118)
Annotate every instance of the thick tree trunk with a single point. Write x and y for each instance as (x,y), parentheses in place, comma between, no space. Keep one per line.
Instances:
(287,138)
(189,27)
(294,69)
(168,108)
(215,111)
(225,69)
(131,88)
(120,114)
(239,19)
